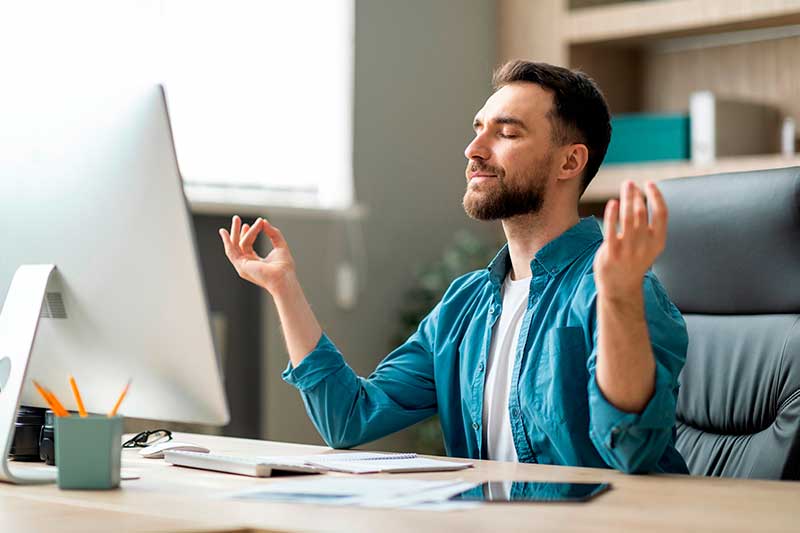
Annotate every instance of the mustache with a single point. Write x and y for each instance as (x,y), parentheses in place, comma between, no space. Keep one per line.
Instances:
(476,166)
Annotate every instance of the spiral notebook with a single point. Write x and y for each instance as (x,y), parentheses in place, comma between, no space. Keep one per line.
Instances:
(352,463)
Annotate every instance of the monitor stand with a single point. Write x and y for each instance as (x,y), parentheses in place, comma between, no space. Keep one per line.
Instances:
(19,320)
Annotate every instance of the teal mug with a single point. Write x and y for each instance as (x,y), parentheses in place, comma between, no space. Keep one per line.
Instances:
(88,451)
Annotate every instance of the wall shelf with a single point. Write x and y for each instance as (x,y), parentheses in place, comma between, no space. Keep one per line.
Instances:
(636,53)
(608,180)
(645,21)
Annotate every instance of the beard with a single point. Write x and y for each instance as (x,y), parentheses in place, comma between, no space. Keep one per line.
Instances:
(500,198)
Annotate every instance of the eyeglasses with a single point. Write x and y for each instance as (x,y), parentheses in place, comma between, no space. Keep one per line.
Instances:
(148,438)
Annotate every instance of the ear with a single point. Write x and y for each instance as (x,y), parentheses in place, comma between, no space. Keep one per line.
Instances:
(573,161)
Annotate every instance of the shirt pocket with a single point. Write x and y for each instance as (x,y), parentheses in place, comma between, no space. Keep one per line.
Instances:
(562,378)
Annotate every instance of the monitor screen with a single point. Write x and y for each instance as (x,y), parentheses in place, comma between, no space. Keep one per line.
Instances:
(89,183)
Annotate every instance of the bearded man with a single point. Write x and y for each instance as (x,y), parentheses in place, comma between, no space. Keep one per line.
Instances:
(565,350)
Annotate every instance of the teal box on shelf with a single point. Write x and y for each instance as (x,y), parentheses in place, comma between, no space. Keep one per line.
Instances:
(88,451)
(640,137)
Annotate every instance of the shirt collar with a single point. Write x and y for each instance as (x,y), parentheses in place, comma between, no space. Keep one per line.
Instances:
(556,255)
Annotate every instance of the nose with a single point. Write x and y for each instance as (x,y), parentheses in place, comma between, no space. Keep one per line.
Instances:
(478,148)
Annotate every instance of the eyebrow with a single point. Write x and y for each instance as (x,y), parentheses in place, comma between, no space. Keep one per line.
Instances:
(503,119)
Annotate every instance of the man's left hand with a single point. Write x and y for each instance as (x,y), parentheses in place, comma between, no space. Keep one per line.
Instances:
(629,249)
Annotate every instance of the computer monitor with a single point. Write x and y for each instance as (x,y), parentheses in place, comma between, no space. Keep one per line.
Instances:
(89,182)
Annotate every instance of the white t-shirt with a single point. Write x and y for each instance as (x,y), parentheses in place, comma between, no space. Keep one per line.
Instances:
(497,438)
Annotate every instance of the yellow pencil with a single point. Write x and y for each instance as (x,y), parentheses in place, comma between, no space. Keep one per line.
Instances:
(50,399)
(58,404)
(119,401)
(60,410)
(46,397)
(78,399)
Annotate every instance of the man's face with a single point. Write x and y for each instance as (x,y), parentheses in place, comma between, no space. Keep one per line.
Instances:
(510,158)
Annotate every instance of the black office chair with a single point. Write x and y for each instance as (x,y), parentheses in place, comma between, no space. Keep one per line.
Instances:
(732,266)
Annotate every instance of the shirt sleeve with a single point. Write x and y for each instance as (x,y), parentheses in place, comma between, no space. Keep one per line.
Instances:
(631,442)
(349,410)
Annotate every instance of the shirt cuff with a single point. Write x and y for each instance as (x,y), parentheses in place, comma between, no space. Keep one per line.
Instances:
(612,425)
(315,367)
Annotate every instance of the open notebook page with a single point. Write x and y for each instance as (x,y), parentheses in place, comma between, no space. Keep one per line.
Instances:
(368,462)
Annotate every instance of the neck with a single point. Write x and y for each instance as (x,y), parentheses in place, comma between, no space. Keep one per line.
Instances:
(527,234)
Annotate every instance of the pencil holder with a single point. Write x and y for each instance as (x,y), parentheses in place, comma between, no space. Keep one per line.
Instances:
(88,451)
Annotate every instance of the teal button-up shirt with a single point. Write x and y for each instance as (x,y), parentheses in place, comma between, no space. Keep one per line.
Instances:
(558,414)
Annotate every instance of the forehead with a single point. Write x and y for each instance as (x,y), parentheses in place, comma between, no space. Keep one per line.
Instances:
(528,102)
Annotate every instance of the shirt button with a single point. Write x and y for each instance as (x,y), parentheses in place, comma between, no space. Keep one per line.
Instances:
(475,425)
(480,366)
(614,436)
(491,310)
(514,412)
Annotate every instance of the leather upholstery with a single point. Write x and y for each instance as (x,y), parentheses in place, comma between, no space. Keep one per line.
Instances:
(732,266)
(734,243)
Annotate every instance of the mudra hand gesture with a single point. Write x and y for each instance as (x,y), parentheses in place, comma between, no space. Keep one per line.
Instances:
(270,272)
(629,249)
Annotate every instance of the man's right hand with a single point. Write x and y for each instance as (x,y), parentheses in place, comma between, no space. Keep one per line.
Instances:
(270,272)
(275,273)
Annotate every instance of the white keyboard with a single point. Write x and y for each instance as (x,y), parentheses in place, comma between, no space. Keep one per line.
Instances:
(246,466)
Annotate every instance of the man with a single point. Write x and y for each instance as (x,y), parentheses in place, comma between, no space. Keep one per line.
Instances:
(565,350)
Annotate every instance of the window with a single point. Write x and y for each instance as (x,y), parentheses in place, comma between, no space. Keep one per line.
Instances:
(260,95)
(259,91)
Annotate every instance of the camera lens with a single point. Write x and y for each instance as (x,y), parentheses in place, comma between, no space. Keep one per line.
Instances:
(25,446)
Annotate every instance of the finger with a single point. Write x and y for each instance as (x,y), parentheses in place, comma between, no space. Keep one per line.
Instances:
(639,211)
(250,234)
(236,226)
(226,240)
(659,210)
(275,235)
(610,219)
(626,207)
(231,254)
(245,227)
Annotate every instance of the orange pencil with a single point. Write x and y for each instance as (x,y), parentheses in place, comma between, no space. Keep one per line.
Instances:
(46,396)
(119,401)
(60,410)
(78,399)
(58,404)
(49,399)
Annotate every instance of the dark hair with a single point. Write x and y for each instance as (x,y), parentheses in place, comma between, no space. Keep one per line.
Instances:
(579,114)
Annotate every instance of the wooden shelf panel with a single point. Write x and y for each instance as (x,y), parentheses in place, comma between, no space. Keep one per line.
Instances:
(637,21)
(608,180)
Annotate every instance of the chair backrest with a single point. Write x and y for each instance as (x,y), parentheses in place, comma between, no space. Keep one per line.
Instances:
(732,266)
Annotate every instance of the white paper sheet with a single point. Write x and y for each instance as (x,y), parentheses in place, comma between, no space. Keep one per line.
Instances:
(367,492)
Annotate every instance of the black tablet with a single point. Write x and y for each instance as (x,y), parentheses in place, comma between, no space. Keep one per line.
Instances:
(532,491)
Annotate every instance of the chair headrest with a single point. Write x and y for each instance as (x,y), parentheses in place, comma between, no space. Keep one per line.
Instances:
(733,243)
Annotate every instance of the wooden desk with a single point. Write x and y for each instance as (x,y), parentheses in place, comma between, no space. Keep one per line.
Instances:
(168,498)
